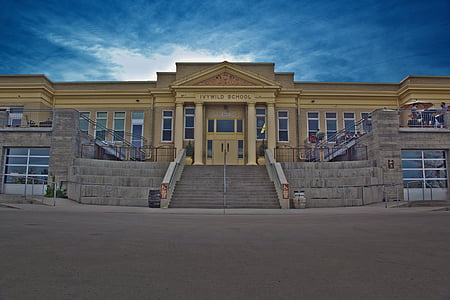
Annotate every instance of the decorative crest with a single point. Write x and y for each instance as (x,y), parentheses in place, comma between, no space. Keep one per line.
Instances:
(225,79)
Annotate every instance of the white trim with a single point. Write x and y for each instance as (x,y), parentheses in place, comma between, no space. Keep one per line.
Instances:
(348,119)
(96,119)
(308,119)
(331,119)
(171,125)
(184,123)
(278,125)
(124,118)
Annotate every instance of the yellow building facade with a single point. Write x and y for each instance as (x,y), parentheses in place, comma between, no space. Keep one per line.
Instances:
(221,109)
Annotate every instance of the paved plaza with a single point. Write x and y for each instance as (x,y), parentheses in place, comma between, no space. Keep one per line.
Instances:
(72,251)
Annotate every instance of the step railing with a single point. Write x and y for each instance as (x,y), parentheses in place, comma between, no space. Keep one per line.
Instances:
(341,140)
(115,143)
(277,176)
(171,177)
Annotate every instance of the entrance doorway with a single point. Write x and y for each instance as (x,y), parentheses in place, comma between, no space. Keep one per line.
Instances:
(225,137)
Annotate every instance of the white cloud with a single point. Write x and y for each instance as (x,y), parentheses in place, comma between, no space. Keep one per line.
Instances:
(134,65)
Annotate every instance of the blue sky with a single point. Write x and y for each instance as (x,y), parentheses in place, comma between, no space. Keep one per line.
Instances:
(345,41)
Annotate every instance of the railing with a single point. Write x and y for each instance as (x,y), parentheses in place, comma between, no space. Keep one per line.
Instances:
(421,118)
(17,117)
(113,142)
(124,152)
(173,174)
(277,176)
(104,134)
(41,182)
(385,195)
(160,153)
(352,151)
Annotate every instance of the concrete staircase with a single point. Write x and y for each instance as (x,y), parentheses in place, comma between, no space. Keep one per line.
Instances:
(202,187)
(106,182)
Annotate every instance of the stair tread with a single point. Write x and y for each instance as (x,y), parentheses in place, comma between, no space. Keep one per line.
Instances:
(247,186)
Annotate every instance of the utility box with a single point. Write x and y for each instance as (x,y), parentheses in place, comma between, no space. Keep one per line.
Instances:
(299,199)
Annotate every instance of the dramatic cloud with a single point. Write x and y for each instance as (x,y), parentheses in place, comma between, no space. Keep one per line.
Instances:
(319,40)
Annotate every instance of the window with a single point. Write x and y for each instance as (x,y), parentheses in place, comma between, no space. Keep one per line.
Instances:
(366,124)
(424,168)
(25,166)
(349,123)
(331,124)
(313,126)
(260,123)
(189,117)
(15,116)
(101,120)
(240,149)
(239,125)
(119,125)
(137,128)
(224,125)
(283,126)
(167,125)
(209,150)
(84,122)
(210,125)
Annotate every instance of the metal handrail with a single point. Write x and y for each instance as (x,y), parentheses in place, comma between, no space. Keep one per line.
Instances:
(36,118)
(33,179)
(384,185)
(116,136)
(343,132)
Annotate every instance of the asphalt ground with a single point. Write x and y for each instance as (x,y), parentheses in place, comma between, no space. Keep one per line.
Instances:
(72,251)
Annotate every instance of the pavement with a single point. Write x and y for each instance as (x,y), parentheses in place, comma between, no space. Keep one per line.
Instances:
(75,251)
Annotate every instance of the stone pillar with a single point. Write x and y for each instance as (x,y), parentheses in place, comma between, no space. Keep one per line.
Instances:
(271,128)
(384,148)
(65,142)
(198,134)
(251,135)
(178,130)
(447,119)
(3,118)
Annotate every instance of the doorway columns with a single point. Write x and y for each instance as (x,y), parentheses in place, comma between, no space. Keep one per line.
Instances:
(251,141)
(198,134)
(178,132)
(271,127)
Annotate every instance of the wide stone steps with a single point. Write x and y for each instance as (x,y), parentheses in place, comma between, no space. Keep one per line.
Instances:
(203,187)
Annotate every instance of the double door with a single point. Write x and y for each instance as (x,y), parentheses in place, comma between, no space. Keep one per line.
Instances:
(225,151)
(225,142)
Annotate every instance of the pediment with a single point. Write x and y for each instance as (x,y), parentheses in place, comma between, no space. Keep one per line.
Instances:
(225,79)
(224,75)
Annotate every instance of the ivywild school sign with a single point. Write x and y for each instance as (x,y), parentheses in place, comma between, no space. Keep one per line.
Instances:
(225,97)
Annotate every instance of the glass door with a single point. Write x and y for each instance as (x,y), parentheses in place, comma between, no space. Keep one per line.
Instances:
(225,136)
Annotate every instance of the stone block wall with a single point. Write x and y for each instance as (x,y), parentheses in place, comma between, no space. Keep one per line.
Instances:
(322,181)
(65,142)
(387,140)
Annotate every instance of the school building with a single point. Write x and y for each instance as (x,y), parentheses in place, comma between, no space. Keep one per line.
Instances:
(225,134)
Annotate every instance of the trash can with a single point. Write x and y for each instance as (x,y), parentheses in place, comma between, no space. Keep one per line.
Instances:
(154,199)
(299,200)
